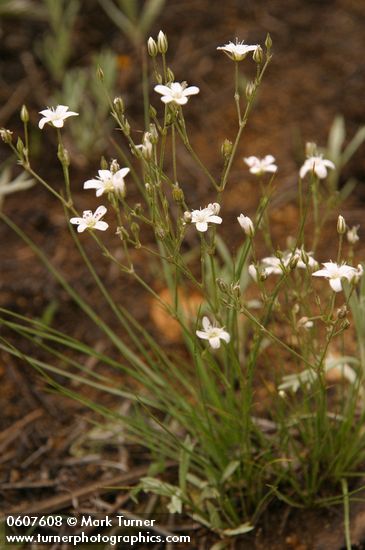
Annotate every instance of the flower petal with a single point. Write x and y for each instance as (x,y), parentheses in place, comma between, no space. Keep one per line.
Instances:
(215,342)
(336,284)
(102,226)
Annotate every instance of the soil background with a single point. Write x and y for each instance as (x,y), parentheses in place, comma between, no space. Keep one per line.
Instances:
(317,73)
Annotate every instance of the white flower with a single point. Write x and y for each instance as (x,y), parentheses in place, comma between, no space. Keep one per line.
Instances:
(175,505)
(176,92)
(203,216)
(90,220)
(108,182)
(352,235)
(55,116)
(213,334)
(247,225)
(295,381)
(237,51)
(318,165)
(334,273)
(260,166)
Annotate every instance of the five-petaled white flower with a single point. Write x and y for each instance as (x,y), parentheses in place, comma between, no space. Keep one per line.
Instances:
(246,224)
(90,220)
(318,165)
(335,273)
(108,182)
(55,116)
(260,166)
(237,51)
(176,92)
(206,215)
(213,334)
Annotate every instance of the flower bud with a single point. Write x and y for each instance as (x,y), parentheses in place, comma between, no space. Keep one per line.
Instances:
(152,47)
(258,55)
(215,207)
(342,312)
(126,126)
(103,163)
(247,225)
(149,189)
(20,146)
(268,42)
(162,43)
(341,225)
(250,90)
(153,134)
(345,325)
(226,149)
(24,115)
(252,271)
(6,135)
(187,217)
(152,112)
(100,74)
(293,262)
(178,194)
(114,166)
(135,229)
(223,287)
(170,75)
(118,104)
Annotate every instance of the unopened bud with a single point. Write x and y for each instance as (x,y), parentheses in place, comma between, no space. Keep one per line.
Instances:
(268,42)
(187,217)
(342,312)
(341,225)
(293,262)
(170,75)
(250,90)
(223,287)
(149,189)
(100,74)
(226,149)
(20,146)
(215,207)
(258,55)
(138,209)
(126,126)
(152,47)
(135,229)
(162,43)
(345,325)
(262,274)
(6,135)
(103,163)
(153,134)
(118,104)
(152,112)
(114,166)
(160,232)
(178,194)
(24,115)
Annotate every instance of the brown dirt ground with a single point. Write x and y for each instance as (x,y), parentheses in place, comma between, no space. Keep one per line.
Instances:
(317,72)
